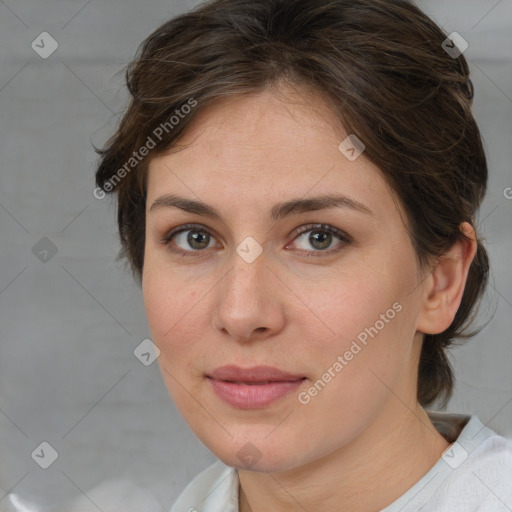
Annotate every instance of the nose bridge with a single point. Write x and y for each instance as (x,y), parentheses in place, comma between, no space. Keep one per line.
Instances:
(247,277)
(247,263)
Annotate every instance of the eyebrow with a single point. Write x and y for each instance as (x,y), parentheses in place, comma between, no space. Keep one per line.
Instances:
(278,212)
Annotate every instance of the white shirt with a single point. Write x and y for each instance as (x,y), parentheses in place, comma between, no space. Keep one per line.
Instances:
(473,475)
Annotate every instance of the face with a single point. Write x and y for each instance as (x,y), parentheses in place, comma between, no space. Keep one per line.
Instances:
(267,275)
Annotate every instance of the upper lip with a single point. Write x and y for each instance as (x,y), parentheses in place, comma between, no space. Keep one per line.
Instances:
(252,374)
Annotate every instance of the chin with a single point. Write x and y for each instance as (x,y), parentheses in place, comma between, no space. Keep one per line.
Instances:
(254,453)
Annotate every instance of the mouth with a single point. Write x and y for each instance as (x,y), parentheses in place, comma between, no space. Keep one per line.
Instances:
(233,373)
(258,383)
(252,388)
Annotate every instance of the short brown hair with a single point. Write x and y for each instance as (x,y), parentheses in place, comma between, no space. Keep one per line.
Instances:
(382,67)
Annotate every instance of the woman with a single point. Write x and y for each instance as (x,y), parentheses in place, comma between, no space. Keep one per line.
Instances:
(297,182)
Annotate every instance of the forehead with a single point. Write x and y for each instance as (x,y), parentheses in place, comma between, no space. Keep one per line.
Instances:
(282,117)
(266,147)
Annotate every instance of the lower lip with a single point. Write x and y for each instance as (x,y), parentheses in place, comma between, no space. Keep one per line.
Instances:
(253,396)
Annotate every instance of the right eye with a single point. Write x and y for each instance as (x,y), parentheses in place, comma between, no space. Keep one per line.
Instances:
(189,239)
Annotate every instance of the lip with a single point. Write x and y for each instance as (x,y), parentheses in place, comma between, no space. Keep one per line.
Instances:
(252,388)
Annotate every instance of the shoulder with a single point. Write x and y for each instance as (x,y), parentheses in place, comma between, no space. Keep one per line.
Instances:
(474,474)
(480,473)
(215,489)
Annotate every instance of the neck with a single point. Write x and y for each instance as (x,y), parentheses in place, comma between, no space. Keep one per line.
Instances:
(367,475)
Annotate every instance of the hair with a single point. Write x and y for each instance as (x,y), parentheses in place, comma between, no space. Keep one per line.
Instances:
(381,66)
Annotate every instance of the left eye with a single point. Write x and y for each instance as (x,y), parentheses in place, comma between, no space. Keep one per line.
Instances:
(320,238)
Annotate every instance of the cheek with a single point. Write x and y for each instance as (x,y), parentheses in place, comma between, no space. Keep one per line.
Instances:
(352,302)
(177,322)
(174,311)
(367,317)
(369,354)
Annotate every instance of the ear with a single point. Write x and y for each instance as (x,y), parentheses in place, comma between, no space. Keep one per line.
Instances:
(444,286)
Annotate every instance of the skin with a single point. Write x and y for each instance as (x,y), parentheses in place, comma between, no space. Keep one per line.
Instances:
(364,430)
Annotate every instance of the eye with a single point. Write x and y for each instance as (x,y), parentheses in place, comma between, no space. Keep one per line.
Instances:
(189,239)
(320,237)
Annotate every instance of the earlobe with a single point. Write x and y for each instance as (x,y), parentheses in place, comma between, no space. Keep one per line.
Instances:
(445,286)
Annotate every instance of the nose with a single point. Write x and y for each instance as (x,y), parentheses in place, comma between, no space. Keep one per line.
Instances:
(248,301)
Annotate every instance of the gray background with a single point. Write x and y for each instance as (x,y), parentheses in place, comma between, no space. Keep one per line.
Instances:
(69,326)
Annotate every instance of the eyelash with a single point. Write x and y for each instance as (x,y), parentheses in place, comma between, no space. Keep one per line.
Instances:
(344,238)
